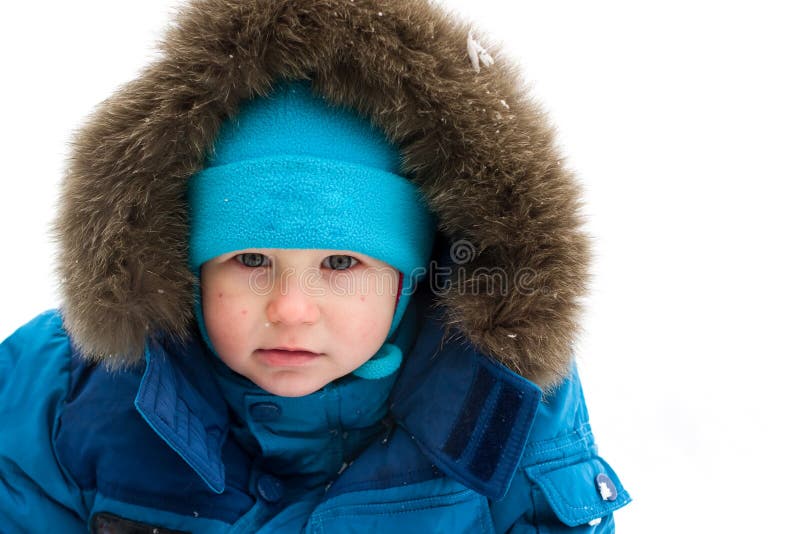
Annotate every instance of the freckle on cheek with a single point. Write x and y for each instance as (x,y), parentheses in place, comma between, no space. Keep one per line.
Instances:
(220,295)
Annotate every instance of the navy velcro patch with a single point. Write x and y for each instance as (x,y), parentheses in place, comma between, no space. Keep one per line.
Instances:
(485,442)
(464,427)
(495,434)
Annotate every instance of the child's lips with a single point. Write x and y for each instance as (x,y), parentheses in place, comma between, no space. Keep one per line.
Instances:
(286,358)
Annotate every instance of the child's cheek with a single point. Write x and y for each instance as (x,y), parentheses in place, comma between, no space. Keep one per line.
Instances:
(367,333)
(225,310)
(220,313)
(373,323)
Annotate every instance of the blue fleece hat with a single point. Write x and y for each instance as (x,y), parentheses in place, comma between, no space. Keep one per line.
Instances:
(292,171)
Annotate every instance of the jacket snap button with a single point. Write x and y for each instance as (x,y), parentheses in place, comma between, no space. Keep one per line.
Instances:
(269,488)
(265,411)
(606,488)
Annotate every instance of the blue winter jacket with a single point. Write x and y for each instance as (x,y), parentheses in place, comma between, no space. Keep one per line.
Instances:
(462,444)
(171,442)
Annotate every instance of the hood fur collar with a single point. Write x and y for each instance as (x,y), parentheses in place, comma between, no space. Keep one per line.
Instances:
(471,138)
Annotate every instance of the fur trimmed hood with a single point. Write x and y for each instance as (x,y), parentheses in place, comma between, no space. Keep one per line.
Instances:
(479,149)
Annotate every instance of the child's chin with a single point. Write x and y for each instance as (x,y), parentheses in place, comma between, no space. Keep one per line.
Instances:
(294,386)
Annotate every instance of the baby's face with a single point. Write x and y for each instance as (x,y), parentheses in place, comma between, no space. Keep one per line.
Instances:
(336,304)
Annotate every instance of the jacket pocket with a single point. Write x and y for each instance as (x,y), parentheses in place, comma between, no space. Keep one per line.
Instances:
(460,512)
(583,494)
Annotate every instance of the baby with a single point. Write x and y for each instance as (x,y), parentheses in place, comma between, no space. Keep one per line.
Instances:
(320,266)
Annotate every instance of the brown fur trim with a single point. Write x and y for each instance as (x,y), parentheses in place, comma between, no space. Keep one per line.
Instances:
(479,149)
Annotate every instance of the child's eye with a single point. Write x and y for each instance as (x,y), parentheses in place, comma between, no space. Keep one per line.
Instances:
(252,259)
(339,262)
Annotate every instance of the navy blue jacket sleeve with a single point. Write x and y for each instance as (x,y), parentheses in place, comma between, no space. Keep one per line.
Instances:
(36,495)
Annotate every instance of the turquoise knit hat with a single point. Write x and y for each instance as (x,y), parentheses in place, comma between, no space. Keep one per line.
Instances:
(292,171)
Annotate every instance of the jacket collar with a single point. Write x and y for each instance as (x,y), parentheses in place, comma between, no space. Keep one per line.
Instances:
(470,415)
(183,405)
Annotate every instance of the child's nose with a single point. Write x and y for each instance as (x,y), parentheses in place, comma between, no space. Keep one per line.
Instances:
(292,304)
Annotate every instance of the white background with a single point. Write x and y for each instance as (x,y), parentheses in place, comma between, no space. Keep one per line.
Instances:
(681,121)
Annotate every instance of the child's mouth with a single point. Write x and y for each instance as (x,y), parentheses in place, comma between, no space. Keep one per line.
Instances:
(285,358)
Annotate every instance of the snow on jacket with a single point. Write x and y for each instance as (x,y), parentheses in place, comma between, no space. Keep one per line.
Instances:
(113,416)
